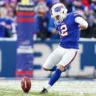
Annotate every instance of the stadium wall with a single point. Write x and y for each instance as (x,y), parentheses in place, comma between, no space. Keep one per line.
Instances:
(83,65)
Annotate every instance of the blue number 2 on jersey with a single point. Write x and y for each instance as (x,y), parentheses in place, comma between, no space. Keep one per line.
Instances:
(63,30)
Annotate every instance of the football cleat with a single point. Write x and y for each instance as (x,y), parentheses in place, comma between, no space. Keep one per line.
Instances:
(44,91)
(64,70)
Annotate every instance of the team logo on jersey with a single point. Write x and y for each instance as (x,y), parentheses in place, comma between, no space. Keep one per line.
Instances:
(57,9)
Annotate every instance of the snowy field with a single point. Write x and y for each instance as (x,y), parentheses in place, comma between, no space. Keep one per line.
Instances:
(62,86)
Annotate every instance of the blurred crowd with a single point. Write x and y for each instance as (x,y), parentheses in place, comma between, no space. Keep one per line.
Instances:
(44,24)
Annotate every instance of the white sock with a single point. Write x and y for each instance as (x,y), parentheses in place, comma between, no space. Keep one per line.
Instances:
(47,86)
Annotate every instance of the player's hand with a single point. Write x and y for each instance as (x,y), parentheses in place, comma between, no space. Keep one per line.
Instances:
(54,31)
(82,27)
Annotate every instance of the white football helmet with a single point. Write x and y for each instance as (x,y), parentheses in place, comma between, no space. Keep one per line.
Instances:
(58,12)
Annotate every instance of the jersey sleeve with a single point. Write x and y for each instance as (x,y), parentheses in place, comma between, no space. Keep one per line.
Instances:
(81,21)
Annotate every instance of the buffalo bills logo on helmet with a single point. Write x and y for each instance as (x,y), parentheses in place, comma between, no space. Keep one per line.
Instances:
(57,9)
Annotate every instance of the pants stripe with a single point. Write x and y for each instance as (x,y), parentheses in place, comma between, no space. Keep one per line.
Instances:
(71,60)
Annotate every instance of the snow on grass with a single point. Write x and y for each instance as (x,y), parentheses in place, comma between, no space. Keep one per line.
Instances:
(66,87)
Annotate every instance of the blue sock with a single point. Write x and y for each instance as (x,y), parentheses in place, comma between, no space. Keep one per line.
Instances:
(54,68)
(55,77)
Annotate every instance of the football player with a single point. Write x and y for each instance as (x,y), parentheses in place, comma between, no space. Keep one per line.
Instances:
(68,26)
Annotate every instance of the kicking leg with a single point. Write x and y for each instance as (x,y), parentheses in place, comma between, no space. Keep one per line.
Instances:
(65,61)
(50,64)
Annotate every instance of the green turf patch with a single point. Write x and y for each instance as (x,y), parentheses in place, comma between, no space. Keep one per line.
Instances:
(8,92)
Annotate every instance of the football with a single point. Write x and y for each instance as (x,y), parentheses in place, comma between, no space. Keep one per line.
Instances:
(26,84)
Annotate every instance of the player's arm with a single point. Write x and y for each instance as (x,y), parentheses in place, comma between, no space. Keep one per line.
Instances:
(82,23)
